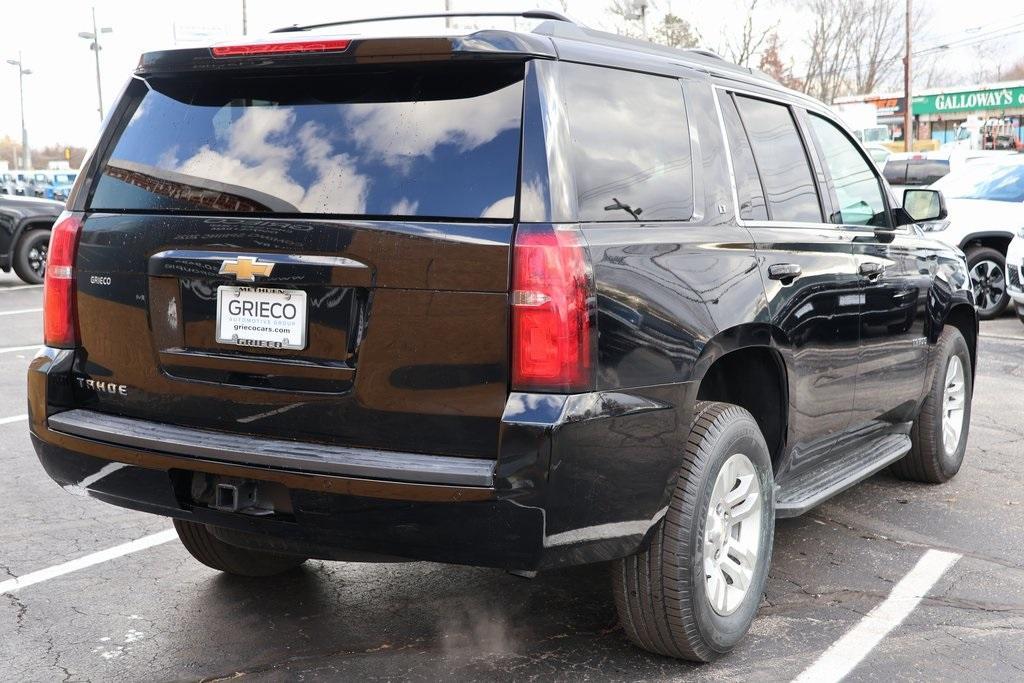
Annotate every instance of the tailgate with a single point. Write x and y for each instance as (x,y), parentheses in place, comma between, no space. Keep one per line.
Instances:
(322,258)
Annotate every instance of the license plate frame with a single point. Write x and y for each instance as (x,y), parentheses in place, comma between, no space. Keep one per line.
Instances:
(279,331)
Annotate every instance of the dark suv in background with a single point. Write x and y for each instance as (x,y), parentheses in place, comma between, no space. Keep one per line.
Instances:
(514,299)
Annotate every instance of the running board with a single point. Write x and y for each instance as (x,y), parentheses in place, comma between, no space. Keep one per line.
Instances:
(813,487)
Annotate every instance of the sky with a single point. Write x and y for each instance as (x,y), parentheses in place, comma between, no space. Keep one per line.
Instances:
(61,98)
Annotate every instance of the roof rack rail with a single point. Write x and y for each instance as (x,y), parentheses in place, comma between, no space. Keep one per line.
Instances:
(529,14)
(706,51)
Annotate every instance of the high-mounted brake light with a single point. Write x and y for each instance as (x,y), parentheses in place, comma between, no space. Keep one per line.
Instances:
(60,318)
(551,311)
(280,48)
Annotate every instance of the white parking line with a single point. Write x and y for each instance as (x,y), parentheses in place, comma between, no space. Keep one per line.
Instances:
(17,287)
(128,548)
(12,349)
(22,310)
(844,654)
(9,420)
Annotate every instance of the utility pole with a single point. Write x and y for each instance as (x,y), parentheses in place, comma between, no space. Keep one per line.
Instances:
(26,155)
(96,47)
(245,19)
(908,96)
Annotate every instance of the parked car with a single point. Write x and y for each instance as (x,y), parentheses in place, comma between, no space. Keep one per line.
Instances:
(1015,272)
(879,153)
(522,300)
(13,183)
(921,169)
(58,185)
(986,209)
(25,224)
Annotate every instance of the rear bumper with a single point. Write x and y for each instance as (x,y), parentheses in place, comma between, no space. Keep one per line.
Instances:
(579,478)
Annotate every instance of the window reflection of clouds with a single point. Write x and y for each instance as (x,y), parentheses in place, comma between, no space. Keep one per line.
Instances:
(396,133)
(440,157)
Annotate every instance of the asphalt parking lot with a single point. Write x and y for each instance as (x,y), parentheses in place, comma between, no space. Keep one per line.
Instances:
(156,614)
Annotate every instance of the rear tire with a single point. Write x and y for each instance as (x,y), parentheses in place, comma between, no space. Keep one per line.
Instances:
(669,596)
(987,268)
(936,454)
(30,256)
(217,554)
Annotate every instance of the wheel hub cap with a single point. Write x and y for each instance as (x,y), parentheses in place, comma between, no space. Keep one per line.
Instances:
(989,285)
(732,534)
(953,404)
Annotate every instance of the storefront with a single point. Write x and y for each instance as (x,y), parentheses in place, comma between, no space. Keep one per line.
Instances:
(939,113)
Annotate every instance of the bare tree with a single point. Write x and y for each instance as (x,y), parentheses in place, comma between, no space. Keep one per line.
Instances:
(832,45)
(880,42)
(752,36)
(675,31)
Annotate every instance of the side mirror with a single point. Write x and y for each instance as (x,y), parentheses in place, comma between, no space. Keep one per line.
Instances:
(924,205)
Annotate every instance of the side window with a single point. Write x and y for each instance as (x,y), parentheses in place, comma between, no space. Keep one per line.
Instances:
(631,145)
(857,189)
(748,185)
(782,160)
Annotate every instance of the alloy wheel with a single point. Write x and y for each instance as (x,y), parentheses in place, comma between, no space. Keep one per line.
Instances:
(37,258)
(732,534)
(989,283)
(953,399)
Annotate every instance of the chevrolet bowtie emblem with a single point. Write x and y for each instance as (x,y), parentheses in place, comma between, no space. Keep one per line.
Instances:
(245,268)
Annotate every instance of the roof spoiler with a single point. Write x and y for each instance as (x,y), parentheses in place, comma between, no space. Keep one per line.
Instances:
(529,14)
(489,44)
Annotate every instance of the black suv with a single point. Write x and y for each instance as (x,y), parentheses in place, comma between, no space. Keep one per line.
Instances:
(514,299)
(25,235)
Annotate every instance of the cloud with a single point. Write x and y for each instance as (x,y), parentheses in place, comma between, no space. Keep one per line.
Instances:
(397,132)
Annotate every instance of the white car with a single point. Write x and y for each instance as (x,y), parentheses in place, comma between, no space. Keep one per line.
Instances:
(985,199)
(1015,272)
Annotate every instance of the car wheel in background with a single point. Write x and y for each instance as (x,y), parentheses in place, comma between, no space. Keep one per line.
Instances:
(30,256)
(988,276)
(217,554)
(694,591)
(939,434)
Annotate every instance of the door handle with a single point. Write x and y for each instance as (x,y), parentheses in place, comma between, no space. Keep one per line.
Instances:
(786,272)
(871,269)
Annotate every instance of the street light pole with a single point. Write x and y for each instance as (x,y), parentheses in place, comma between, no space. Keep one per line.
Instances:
(908,99)
(26,155)
(96,47)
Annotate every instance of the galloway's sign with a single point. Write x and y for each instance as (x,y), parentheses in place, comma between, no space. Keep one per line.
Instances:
(970,100)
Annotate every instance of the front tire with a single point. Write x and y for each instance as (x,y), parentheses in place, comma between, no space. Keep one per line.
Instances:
(987,268)
(30,256)
(694,591)
(939,434)
(217,554)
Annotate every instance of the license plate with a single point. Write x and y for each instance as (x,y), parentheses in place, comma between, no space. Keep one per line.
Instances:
(261,317)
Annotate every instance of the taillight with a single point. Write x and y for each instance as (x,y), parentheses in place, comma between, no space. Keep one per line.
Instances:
(60,319)
(552,339)
(280,48)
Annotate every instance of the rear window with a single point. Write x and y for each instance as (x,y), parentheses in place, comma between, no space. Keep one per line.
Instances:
(631,145)
(414,142)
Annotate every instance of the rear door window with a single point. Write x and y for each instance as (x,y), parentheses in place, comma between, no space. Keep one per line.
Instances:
(782,160)
(631,145)
(395,141)
(895,171)
(749,192)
